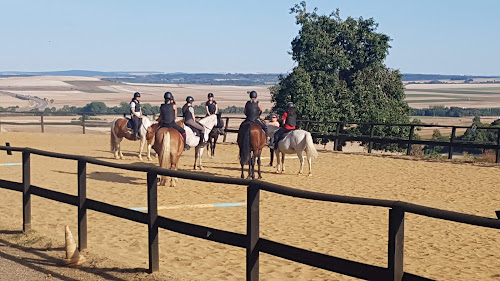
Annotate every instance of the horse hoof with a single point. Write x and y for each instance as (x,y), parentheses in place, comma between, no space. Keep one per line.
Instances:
(201,168)
(150,159)
(310,175)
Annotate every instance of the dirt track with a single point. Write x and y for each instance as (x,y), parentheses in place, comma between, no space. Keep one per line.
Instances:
(433,248)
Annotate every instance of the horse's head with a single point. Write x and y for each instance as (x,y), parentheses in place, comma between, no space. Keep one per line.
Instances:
(151,131)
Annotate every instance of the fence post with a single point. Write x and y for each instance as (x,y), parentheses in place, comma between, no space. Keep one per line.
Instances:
(452,140)
(396,244)
(372,132)
(225,129)
(26,191)
(497,159)
(154,252)
(9,152)
(82,206)
(253,198)
(83,123)
(41,123)
(337,134)
(412,131)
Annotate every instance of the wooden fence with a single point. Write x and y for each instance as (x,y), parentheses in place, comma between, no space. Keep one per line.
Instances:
(252,241)
(337,135)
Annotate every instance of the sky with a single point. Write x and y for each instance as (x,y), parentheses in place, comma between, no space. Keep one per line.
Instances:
(438,37)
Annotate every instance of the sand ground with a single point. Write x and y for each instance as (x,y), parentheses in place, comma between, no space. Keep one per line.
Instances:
(433,248)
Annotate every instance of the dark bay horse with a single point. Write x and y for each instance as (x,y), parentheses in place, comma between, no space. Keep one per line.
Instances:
(251,140)
(169,145)
(214,136)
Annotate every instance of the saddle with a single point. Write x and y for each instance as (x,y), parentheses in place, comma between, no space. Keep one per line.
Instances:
(196,132)
(129,123)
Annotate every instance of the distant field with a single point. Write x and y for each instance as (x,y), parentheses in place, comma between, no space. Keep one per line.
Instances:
(460,95)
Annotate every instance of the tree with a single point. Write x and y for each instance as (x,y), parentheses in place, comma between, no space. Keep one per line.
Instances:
(340,74)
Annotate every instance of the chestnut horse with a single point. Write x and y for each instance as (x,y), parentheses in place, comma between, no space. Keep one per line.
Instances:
(119,131)
(169,145)
(251,140)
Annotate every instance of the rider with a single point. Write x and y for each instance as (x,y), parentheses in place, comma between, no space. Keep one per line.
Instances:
(252,111)
(136,114)
(289,124)
(211,105)
(190,120)
(168,112)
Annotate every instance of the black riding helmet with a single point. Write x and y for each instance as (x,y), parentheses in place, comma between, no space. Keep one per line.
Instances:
(210,95)
(189,99)
(253,94)
(168,96)
(137,95)
(290,105)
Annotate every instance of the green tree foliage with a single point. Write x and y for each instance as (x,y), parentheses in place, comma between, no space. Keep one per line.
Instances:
(340,74)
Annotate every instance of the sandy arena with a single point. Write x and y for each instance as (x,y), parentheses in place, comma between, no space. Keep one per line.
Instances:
(433,248)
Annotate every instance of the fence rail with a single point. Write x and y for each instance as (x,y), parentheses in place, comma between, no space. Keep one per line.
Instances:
(253,243)
(336,136)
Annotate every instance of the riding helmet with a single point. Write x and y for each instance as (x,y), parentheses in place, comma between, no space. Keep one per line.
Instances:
(189,99)
(210,95)
(253,94)
(290,105)
(168,96)
(137,95)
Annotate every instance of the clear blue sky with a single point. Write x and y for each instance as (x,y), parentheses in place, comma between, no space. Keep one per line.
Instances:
(444,36)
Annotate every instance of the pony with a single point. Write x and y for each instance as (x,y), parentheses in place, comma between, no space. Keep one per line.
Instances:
(251,140)
(169,145)
(295,141)
(213,136)
(209,123)
(119,131)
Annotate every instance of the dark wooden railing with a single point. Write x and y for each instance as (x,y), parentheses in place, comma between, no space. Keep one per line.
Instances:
(252,241)
(336,135)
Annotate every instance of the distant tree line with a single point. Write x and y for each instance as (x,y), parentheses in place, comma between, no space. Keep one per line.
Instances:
(455,111)
(238,79)
(98,107)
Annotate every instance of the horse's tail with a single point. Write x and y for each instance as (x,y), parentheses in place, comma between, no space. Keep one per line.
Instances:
(165,151)
(244,143)
(112,141)
(310,149)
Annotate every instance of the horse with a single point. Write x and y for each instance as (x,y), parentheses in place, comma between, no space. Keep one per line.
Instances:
(169,145)
(295,141)
(251,140)
(213,136)
(209,123)
(119,131)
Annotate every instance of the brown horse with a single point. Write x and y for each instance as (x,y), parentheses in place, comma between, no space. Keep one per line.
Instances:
(119,131)
(251,140)
(169,145)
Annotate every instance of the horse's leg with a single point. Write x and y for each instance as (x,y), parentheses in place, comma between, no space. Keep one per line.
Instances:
(282,162)
(258,163)
(242,168)
(278,161)
(196,152)
(301,158)
(214,144)
(149,152)
(141,146)
(118,153)
(201,157)
(309,161)
(250,166)
(271,156)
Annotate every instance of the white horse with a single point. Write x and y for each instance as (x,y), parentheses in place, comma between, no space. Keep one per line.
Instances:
(119,131)
(208,122)
(295,141)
